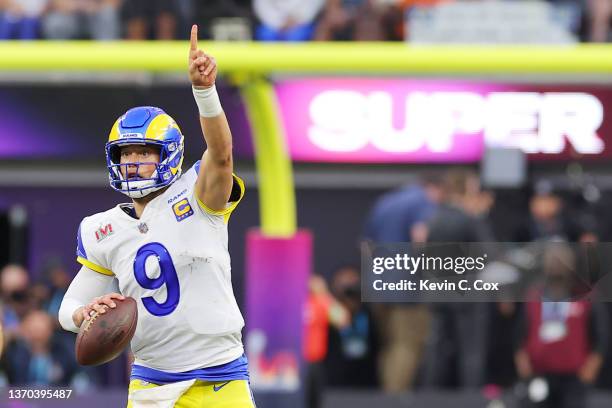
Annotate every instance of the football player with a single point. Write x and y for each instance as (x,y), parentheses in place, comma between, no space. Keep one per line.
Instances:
(168,250)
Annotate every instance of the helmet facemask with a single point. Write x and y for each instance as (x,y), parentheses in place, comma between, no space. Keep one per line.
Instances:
(138,187)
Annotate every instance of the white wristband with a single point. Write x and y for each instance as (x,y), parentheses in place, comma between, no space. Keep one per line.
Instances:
(208,101)
(67,309)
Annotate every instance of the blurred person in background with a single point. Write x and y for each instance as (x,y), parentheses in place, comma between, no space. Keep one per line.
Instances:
(286,20)
(16,297)
(588,229)
(208,14)
(461,215)
(599,13)
(459,330)
(56,279)
(48,293)
(20,19)
(322,311)
(395,213)
(353,349)
(560,340)
(395,16)
(546,219)
(346,20)
(35,358)
(400,216)
(78,19)
(592,258)
(478,204)
(146,16)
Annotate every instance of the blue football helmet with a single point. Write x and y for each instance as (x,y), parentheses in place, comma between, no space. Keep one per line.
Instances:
(145,125)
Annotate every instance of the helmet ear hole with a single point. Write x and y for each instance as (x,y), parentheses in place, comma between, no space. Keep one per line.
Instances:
(161,152)
(115,154)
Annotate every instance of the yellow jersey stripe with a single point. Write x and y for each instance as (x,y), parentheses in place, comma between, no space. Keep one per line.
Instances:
(94,267)
(227,211)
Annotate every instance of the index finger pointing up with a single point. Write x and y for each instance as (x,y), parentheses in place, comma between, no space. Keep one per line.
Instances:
(194,37)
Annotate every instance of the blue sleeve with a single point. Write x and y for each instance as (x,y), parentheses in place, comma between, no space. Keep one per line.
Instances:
(80,249)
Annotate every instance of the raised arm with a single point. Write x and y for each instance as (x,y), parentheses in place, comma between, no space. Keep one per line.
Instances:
(214,184)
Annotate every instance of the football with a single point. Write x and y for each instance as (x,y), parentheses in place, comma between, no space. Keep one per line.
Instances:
(104,336)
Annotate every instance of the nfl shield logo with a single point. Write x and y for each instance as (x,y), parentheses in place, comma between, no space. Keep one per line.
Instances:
(143,228)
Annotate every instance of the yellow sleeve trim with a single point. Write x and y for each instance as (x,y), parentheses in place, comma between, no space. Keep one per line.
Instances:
(227,211)
(94,267)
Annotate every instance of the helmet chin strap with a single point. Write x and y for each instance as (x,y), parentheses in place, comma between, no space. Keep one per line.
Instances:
(140,188)
(139,193)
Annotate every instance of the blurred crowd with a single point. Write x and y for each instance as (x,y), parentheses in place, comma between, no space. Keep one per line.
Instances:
(489,347)
(263,20)
(35,350)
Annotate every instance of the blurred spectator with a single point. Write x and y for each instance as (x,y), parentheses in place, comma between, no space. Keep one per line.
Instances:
(561,341)
(56,280)
(546,220)
(459,218)
(35,357)
(458,339)
(588,229)
(394,16)
(214,15)
(345,20)
(20,19)
(16,299)
(396,213)
(144,16)
(400,216)
(322,310)
(39,293)
(599,13)
(286,20)
(478,204)
(353,349)
(545,210)
(459,330)
(75,19)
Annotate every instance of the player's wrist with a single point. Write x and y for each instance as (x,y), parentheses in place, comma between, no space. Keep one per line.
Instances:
(208,101)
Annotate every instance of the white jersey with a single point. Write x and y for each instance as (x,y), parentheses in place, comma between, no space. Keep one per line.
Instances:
(174,262)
